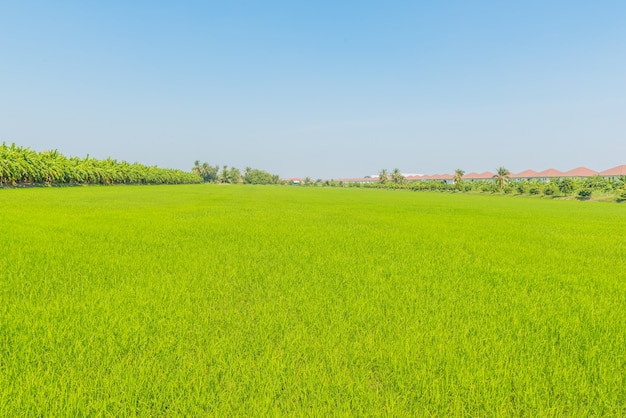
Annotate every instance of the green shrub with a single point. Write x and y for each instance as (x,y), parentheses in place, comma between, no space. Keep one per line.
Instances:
(566,186)
(584,194)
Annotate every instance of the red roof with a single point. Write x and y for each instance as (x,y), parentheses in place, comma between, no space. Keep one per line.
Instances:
(620,170)
(471,176)
(580,172)
(550,172)
(437,177)
(476,176)
(525,174)
(358,180)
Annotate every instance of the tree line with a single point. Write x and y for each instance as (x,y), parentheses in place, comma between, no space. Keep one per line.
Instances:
(212,174)
(581,188)
(501,182)
(23,166)
(20,166)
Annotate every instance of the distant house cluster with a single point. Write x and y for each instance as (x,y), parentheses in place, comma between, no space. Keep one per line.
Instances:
(543,176)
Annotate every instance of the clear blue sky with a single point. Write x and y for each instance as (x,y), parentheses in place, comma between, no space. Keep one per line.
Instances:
(319,88)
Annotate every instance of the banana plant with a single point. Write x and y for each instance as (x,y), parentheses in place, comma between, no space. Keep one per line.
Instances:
(20,165)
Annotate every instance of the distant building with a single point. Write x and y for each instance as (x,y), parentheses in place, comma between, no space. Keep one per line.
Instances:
(543,176)
(487,175)
(580,173)
(615,172)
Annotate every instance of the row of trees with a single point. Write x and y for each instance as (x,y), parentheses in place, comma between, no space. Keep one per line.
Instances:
(232,175)
(501,178)
(395,177)
(581,188)
(21,165)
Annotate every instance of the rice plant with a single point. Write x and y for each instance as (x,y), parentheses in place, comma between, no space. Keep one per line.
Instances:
(216,300)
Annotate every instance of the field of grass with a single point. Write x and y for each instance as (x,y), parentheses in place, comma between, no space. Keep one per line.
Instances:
(249,300)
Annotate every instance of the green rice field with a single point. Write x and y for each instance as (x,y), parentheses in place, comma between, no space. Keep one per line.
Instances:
(209,300)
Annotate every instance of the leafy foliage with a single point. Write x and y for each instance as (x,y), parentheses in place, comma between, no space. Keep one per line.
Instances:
(502,177)
(458,177)
(208,172)
(397,177)
(256,176)
(566,186)
(501,182)
(230,175)
(23,166)
(584,194)
(383,176)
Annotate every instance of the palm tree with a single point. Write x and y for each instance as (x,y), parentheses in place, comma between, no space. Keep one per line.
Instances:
(209,172)
(458,176)
(383,176)
(223,176)
(397,177)
(196,168)
(502,177)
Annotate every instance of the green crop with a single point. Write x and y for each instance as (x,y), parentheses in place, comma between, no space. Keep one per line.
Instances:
(216,300)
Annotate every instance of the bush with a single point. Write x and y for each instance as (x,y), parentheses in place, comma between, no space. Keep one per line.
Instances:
(566,186)
(509,188)
(584,194)
(597,183)
(549,191)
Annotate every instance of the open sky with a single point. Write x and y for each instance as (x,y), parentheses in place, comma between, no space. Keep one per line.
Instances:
(319,88)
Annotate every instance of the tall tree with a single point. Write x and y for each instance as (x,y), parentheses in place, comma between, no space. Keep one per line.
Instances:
(209,172)
(383,176)
(232,175)
(223,176)
(196,167)
(502,177)
(256,176)
(397,177)
(458,176)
